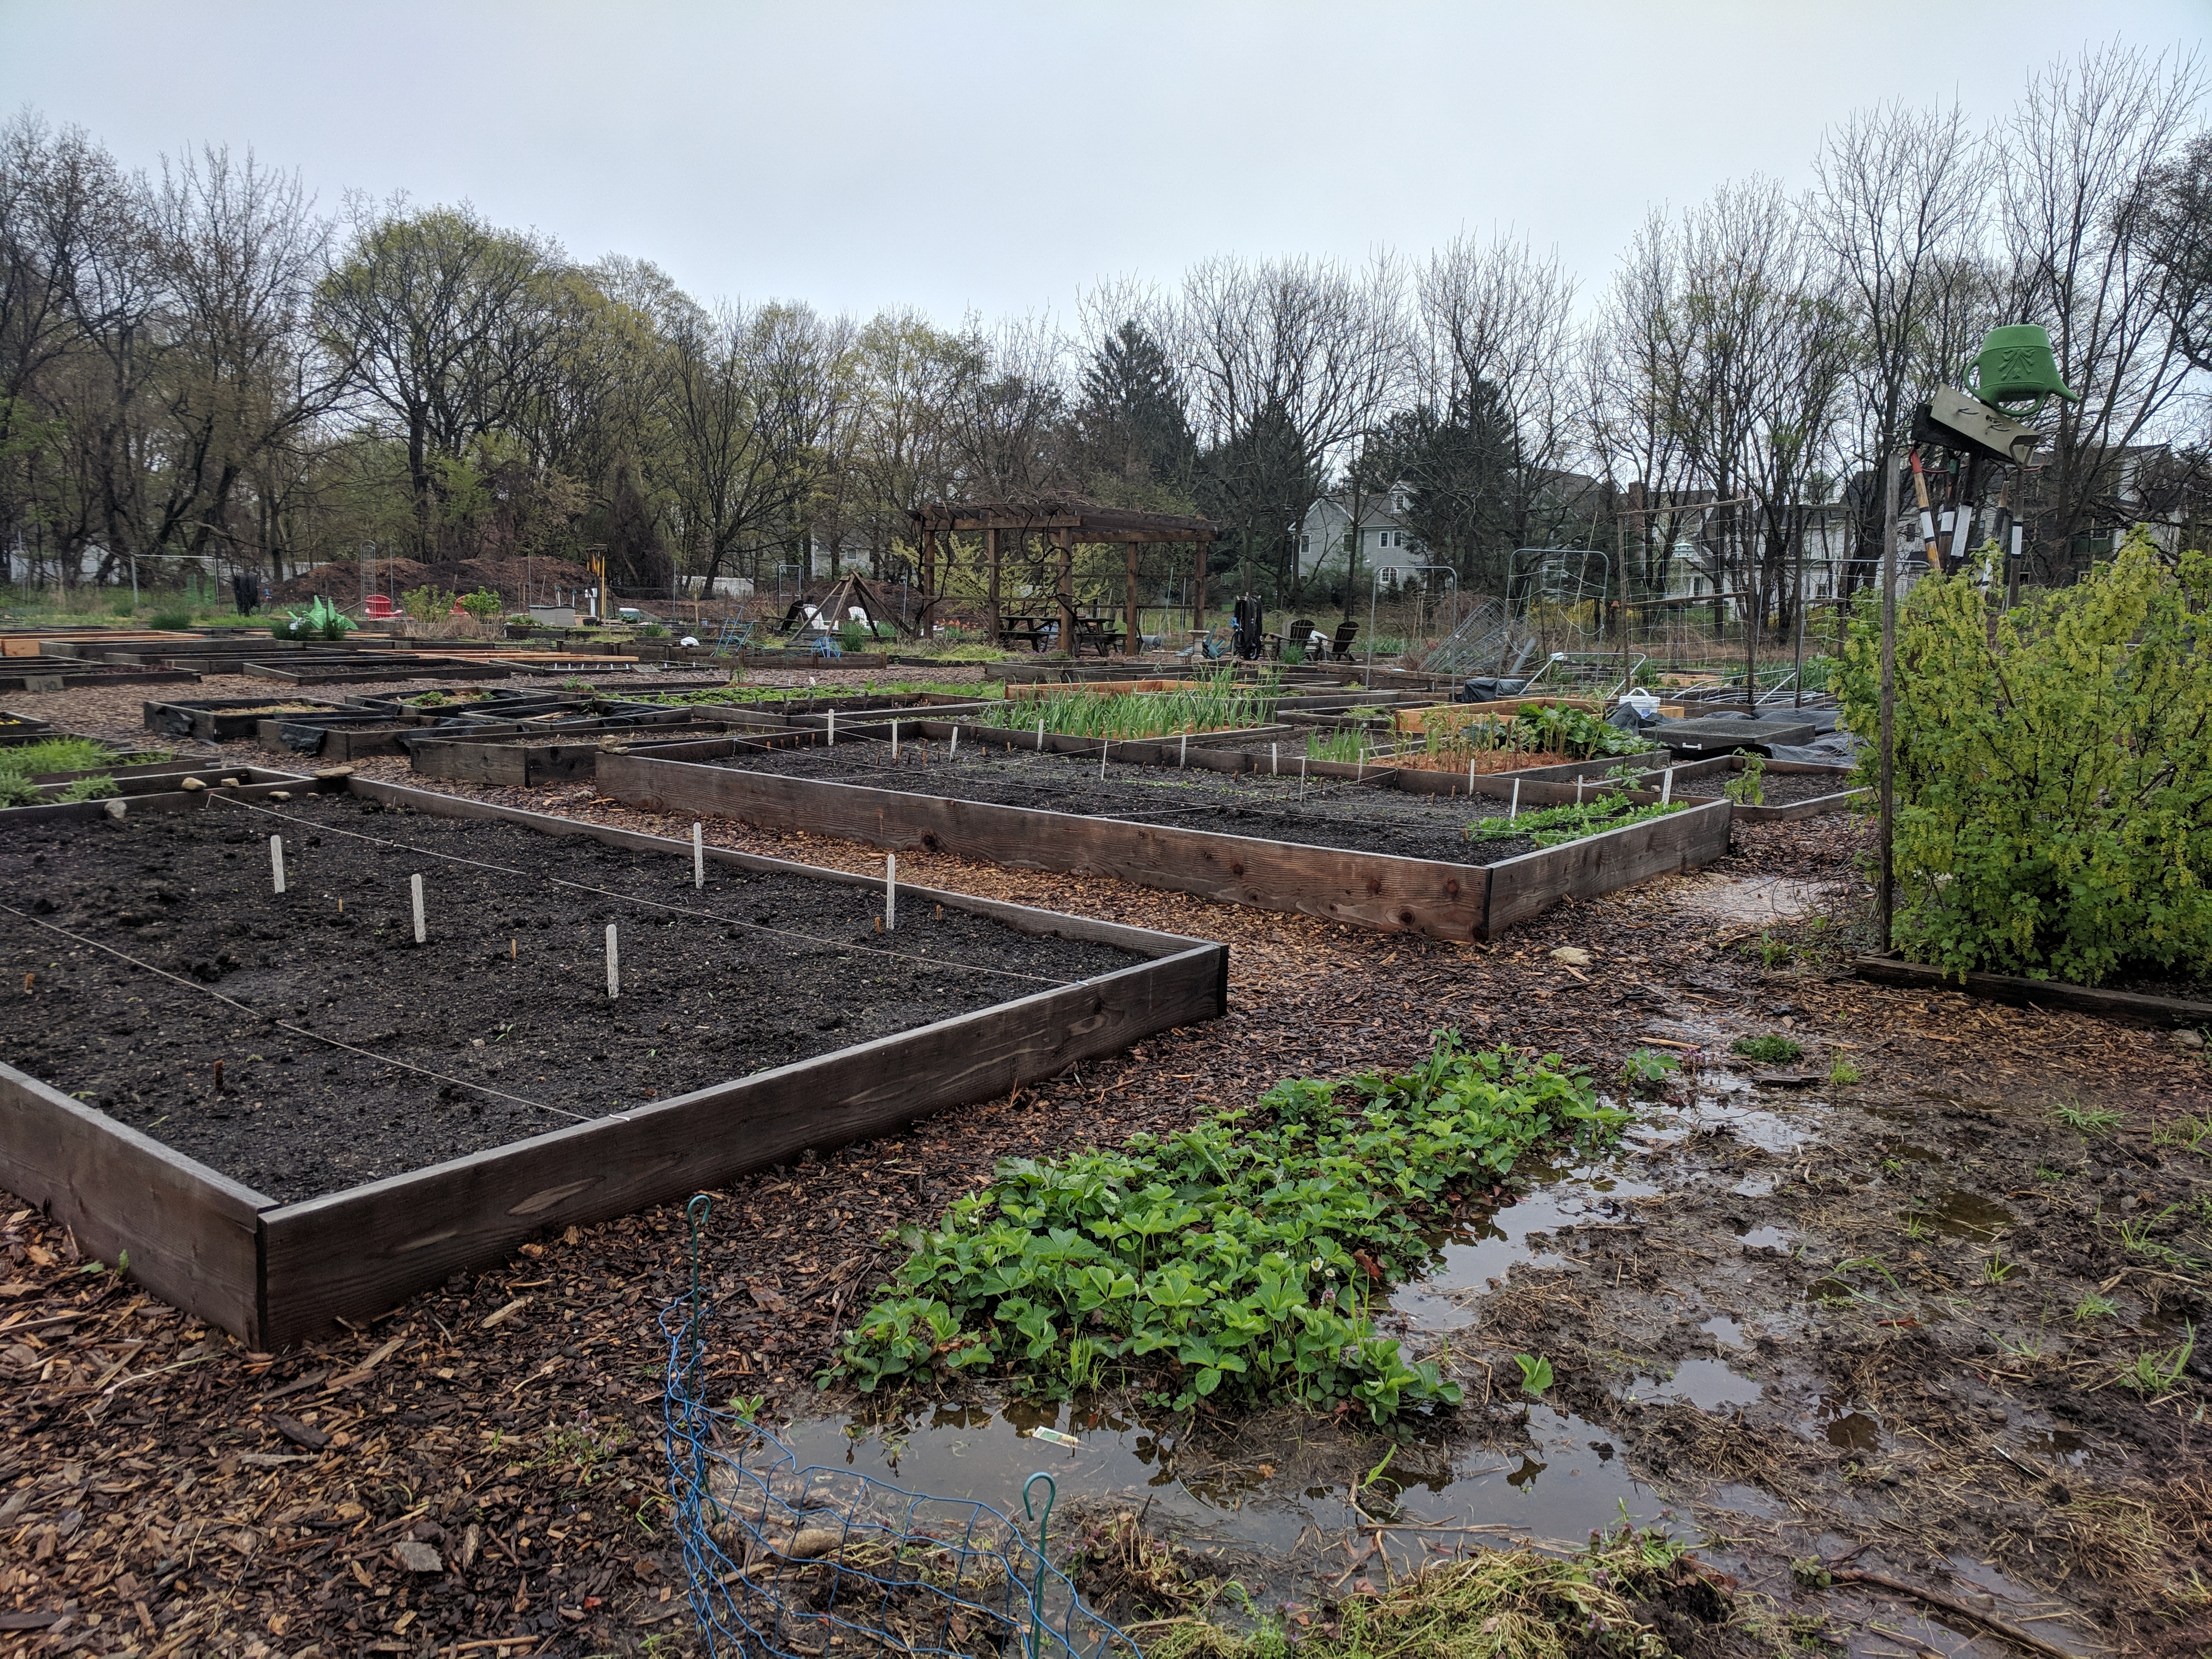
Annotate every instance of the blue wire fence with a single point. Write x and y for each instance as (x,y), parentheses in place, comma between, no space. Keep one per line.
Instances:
(792,1562)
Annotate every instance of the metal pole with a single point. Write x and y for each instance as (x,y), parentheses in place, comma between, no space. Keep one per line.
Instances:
(1884,918)
(1797,670)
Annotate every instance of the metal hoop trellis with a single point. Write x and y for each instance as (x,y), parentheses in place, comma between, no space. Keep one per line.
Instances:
(781,1557)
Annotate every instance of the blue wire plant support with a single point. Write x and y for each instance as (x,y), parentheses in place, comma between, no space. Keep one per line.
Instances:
(781,1558)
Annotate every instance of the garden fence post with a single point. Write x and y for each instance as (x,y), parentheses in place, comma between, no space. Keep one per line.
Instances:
(1884,921)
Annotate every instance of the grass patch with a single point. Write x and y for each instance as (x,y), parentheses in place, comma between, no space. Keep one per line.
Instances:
(1772,1049)
(1500,1604)
(27,760)
(2086,1119)
(1242,1257)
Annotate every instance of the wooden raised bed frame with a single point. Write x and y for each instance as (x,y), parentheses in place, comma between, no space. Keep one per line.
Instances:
(1368,890)
(273,1273)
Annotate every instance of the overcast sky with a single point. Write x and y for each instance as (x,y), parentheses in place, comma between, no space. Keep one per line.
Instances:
(1003,157)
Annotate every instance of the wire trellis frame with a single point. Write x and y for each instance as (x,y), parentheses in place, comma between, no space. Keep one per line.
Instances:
(782,1558)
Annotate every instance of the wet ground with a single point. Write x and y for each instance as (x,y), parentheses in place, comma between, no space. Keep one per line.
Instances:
(1929,1314)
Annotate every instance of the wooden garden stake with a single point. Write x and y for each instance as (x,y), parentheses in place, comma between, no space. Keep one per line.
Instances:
(890,892)
(218,1077)
(614,966)
(1884,921)
(699,857)
(421,932)
(510,948)
(277,862)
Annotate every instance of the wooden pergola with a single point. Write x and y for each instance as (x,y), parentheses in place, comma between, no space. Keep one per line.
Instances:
(1069,523)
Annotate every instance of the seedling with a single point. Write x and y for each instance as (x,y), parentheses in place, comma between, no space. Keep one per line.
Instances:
(1915,1228)
(1747,787)
(2086,1119)
(1645,1072)
(2155,1373)
(2191,1134)
(1535,1372)
(2094,1306)
(1994,1269)
(1772,1049)
(2044,1172)
(1842,1073)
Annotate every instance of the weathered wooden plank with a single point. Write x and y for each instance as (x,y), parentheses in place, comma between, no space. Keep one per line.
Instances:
(89,811)
(1370,889)
(357,1252)
(1526,887)
(1797,810)
(192,1233)
(2036,993)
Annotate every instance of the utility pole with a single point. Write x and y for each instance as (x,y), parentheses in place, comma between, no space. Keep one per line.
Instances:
(1883,903)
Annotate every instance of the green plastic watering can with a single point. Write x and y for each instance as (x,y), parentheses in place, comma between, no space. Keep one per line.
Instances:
(2017,366)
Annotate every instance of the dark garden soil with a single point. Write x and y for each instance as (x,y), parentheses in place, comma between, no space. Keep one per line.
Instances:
(1955,1419)
(503,1013)
(1363,817)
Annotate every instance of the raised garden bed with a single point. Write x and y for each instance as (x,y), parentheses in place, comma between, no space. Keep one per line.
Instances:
(225,720)
(362,1144)
(1355,851)
(526,760)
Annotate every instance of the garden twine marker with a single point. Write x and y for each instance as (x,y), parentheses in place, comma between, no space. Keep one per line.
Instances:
(890,892)
(614,966)
(699,857)
(421,932)
(277,862)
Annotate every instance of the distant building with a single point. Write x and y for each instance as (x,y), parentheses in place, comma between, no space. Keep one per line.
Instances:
(1385,543)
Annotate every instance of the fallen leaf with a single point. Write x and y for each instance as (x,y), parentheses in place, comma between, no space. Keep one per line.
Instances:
(1572,955)
(767,1298)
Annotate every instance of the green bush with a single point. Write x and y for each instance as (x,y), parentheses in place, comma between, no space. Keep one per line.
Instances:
(1770,1049)
(427,605)
(1748,787)
(483,605)
(1242,1257)
(2053,771)
(172,621)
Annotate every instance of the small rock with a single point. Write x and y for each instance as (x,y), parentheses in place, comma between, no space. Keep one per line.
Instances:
(192,785)
(1571,955)
(334,771)
(116,809)
(279,794)
(2129,1202)
(2187,1039)
(300,1434)
(228,783)
(417,1556)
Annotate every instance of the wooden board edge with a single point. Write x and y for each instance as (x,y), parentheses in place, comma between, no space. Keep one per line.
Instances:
(1524,888)
(2035,992)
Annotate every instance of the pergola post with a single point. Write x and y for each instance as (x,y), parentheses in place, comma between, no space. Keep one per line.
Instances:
(928,577)
(991,578)
(1129,646)
(1197,594)
(1067,595)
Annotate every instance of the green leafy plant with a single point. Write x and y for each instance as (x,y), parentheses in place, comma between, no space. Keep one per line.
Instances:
(1554,826)
(1346,745)
(1646,1070)
(32,760)
(1535,1372)
(1771,1048)
(427,605)
(2053,784)
(1842,1073)
(1994,1269)
(2094,1306)
(654,631)
(171,620)
(483,605)
(102,788)
(1240,1258)
(1748,787)
(2190,1134)
(18,791)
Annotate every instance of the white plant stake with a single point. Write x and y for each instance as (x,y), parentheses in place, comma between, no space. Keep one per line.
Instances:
(1275,760)
(1514,811)
(833,728)
(421,932)
(890,892)
(1103,745)
(894,740)
(614,966)
(1578,789)
(699,857)
(955,754)
(1040,737)
(276,861)
(1666,785)
(1470,774)
(1182,751)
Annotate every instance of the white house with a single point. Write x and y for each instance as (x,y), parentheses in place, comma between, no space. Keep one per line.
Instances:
(1385,543)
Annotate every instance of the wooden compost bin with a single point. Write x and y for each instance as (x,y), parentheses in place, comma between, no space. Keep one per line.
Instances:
(1370,890)
(273,1273)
